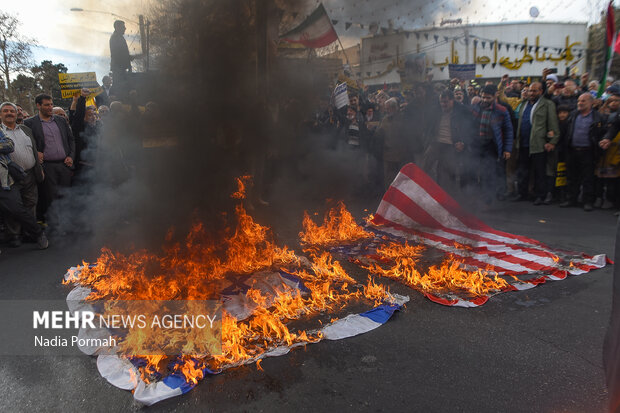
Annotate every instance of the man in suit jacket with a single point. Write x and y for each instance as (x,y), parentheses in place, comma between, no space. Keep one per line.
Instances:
(538,133)
(56,147)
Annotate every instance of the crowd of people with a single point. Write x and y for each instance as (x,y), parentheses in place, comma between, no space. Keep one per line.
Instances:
(548,141)
(41,156)
(552,140)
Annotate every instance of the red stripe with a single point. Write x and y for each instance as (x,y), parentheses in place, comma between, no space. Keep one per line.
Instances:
(480,300)
(440,300)
(561,274)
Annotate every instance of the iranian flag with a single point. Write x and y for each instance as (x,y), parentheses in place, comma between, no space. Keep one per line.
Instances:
(316,31)
(611,46)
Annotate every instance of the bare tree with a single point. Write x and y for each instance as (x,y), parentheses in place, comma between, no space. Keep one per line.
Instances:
(15,49)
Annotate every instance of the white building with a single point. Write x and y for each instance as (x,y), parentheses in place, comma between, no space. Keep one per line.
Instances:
(517,49)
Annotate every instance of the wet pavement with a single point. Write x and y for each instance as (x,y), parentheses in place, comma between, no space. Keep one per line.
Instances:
(536,350)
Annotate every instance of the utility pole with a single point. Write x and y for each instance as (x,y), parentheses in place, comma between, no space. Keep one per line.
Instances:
(144,39)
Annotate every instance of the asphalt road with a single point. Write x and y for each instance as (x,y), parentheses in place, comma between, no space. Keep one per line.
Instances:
(536,351)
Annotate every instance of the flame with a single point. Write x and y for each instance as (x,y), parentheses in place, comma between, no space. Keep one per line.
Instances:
(338,227)
(242,183)
(185,271)
(449,276)
(194,269)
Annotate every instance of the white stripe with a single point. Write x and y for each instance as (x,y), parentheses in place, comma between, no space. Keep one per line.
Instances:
(154,392)
(350,326)
(118,372)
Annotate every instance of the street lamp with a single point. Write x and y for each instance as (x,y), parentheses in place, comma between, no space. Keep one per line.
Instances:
(79,9)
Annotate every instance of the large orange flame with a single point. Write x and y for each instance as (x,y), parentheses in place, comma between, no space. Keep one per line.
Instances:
(338,227)
(194,270)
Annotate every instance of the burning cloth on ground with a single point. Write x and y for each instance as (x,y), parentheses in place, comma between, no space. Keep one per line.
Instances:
(264,290)
(417,221)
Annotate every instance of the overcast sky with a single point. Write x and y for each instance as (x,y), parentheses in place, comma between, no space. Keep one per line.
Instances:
(80,39)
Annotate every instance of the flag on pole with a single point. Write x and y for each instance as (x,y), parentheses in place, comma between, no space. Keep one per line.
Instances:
(610,46)
(316,31)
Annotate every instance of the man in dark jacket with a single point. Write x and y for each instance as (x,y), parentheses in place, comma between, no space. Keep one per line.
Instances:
(120,60)
(449,135)
(56,148)
(84,126)
(585,131)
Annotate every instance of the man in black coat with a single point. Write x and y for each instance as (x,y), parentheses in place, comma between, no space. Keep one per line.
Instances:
(56,148)
(120,60)
(586,128)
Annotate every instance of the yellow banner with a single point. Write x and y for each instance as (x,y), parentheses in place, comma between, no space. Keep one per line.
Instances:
(560,179)
(72,83)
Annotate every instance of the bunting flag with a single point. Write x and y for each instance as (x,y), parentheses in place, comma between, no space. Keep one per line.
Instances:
(316,31)
(610,47)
